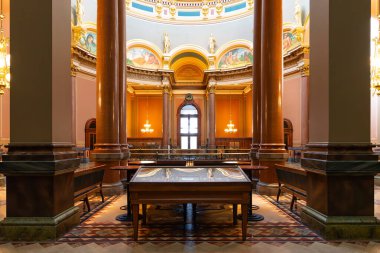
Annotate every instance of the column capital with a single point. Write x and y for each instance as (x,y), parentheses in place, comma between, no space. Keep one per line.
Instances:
(165,84)
(211,85)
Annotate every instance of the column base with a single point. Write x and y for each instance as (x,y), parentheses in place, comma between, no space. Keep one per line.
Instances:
(39,228)
(263,188)
(341,227)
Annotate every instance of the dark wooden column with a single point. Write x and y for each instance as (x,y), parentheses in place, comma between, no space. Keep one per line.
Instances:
(122,75)
(211,113)
(107,73)
(272,147)
(339,161)
(256,92)
(166,112)
(107,148)
(40,162)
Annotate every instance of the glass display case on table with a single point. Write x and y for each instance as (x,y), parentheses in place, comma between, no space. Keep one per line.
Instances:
(180,185)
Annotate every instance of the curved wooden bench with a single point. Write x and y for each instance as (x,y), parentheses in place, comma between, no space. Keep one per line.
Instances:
(87,181)
(291,179)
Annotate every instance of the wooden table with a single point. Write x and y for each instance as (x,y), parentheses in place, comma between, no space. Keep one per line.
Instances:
(248,170)
(130,170)
(178,185)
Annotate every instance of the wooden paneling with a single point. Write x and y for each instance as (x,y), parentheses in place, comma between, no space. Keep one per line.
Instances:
(222,115)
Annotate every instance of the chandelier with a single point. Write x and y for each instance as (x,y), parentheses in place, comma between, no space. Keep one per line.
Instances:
(5,59)
(147,126)
(230,126)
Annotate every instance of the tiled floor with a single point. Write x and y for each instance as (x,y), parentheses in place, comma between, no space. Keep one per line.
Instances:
(279,232)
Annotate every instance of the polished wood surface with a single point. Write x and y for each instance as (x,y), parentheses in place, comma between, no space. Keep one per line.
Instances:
(122,74)
(107,73)
(256,102)
(272,130)
(190,192)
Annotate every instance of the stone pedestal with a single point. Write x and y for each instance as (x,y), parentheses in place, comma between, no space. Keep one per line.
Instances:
(339,160)
(340,187)
(40,162)
(40,192)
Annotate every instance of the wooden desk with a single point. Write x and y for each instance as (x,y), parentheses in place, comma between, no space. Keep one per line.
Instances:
(178,185)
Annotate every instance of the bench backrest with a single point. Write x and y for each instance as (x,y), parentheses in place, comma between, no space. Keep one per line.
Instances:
(292,178)
(93,178)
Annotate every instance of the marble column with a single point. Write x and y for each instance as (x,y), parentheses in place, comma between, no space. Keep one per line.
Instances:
(305,94)
(339,161)
(211,113)
(122,75)
(166,112)
(256,88)
(107,147)
(40,162)
(272,147)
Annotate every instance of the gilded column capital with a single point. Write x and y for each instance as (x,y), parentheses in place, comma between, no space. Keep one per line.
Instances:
(211,85)
(165,84)
(305,68)
(74,69)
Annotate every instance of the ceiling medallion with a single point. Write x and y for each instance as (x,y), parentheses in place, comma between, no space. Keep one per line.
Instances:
(189,97)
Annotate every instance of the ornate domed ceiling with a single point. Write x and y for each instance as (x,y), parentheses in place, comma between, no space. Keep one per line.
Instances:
(189,11)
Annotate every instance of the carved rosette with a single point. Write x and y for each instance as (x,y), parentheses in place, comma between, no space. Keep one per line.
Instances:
(159,7)
(219,9)
(205,10)
(172,10)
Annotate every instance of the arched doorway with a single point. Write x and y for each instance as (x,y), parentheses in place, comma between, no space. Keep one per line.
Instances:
(288,133)
(189,126)
(90,133)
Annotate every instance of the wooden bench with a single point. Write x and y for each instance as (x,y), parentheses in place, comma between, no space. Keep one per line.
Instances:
(88,180)
(291,179)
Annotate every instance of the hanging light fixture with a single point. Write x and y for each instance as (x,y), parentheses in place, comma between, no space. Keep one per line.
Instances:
(230,126)
(5,59)
(147,125)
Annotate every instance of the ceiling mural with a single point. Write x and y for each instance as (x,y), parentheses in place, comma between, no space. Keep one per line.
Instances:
(289,41)
(88,42)
(142,58)
(238,57)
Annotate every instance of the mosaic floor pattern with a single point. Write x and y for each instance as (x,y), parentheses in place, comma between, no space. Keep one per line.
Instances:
(214,224)
(280,232)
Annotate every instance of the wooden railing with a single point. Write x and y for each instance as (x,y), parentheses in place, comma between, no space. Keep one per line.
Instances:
(190,154)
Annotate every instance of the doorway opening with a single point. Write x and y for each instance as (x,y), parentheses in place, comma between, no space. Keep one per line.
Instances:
(189,131)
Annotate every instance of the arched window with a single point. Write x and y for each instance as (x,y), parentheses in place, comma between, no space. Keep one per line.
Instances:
(189,127)
(288,133)
(90,133)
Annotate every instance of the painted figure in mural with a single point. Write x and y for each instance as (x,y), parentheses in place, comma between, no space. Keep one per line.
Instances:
(212,43)
(166,43)
(236,58)
(141,57)
(88,42)
(298,13)
(79,12)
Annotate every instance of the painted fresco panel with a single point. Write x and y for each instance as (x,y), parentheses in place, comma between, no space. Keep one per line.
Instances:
(235,58)
(143,58)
